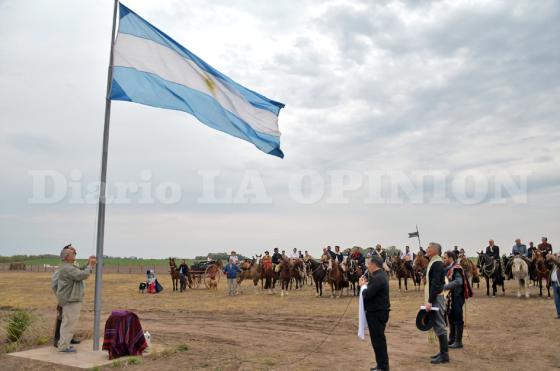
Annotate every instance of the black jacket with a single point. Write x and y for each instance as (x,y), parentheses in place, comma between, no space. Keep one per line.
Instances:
(456,284)
(437,280)
(376,297)
(276,257)
(493,251)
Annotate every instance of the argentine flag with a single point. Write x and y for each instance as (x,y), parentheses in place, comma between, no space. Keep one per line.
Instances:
(151,68)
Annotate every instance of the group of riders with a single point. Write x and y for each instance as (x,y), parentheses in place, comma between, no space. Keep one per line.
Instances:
(348,259)
(528,254)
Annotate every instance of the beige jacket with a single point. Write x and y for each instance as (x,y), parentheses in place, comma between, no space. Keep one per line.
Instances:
(71,283)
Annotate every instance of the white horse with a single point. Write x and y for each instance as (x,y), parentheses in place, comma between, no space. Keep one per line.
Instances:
(520,272)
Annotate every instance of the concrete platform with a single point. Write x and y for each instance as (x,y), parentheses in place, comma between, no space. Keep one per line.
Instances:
(85,357)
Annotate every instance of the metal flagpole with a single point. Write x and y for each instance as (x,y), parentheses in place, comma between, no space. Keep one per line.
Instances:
(418,235)
(102,197)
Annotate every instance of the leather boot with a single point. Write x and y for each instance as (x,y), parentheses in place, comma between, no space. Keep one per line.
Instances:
(452,332)
(443,351)
(458,343)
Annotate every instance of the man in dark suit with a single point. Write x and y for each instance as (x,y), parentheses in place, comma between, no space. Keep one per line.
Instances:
(493,250)
(434,298)
(377,307)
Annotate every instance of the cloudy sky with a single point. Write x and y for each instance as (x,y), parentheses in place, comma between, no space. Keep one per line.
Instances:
(466,90)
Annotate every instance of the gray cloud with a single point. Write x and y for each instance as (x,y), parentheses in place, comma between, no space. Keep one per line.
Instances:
(391,85)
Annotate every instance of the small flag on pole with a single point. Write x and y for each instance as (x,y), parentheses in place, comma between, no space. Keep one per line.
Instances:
(151,68)
(413,234)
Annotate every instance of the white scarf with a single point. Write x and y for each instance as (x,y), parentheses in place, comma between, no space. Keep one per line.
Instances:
(362,320)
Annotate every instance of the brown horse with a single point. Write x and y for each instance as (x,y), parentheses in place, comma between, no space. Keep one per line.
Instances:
(335,277)
(174,271)
(266,276)
(419,268)
(296,270)
(542,270)
(250,270)
(285,275)
(401,271)
(471,271)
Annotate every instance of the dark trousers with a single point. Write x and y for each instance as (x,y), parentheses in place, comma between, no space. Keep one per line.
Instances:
(455,315)
(556,291)
(376,325)
(57,324)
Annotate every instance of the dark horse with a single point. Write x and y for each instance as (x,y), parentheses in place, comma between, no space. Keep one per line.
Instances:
(490,269)
(296,270)
(402,271)
(174,271)
(355,271)
(285,275)
(318,271)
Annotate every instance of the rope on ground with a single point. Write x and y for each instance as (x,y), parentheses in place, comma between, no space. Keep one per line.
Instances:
(305,355)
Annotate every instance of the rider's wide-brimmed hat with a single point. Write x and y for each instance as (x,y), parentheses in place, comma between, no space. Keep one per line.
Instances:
(232,252)
(425,320)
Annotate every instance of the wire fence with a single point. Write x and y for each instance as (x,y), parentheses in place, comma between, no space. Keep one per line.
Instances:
(113,268)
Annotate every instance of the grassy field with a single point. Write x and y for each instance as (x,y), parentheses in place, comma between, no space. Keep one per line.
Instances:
(256,331)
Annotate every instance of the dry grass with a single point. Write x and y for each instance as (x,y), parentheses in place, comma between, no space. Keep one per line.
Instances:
(259,331)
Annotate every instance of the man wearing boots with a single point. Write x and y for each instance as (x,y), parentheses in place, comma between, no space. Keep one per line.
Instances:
(459,290)
(433,295)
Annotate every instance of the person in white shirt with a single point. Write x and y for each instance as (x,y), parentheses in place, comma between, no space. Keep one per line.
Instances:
(408,257)
(407,254)
(234,258)
(294,255)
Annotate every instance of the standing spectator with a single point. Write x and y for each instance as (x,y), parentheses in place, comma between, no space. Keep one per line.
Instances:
(433,295)
(555,279)
(460,290)
(377,306)
(231,270)
(58,323)
(183,275)
(70,295)
(544,247)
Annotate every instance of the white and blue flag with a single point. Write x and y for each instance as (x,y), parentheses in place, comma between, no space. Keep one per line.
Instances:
(151,68)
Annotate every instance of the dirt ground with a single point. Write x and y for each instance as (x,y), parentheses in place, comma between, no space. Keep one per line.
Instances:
(298,332)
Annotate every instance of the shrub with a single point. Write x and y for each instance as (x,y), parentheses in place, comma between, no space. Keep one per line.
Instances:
(17,324)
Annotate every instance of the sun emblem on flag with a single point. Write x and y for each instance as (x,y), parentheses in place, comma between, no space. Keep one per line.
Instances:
(210,83)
